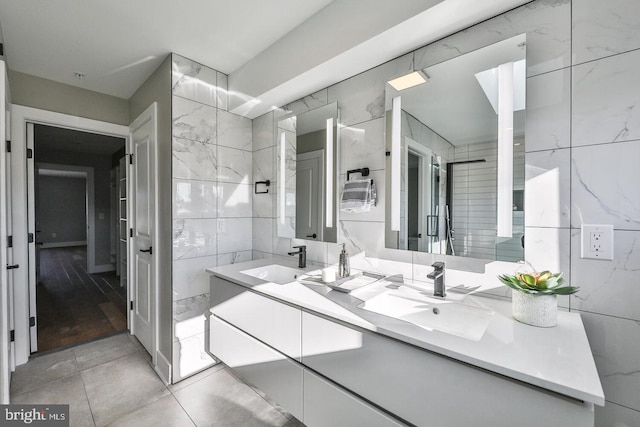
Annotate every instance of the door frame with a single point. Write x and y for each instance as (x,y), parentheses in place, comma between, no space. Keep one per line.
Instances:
(424,155)
(20,116)
(5,304)
(88,172)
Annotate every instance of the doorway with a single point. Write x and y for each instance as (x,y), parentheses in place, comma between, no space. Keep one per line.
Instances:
(79,295)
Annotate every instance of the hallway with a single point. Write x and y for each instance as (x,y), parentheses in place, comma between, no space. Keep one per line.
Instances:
(111,382)
(74,306)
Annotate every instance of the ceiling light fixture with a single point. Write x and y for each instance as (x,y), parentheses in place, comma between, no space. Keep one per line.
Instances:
(409,80)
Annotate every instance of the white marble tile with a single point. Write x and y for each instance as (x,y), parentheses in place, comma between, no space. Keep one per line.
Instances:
(194,160)
(367,237)
(603,28)
(309,102)
(194,238)
(234,131)
(264,164)
(608,287)
(263,234)
(234,257)
(235,200)
(263,204)
(234,165)
(263,133)
(190,277)
(289,123)
(194,199)
(604,185)
(548,123)
(547,24)
(193,81)
(547,188)
(188,316)
(189,357)
(361,98)
(363,145)
(261,255)
(614,344)
(193,120)
(612,415)
(222,91)
(605,104)
(234,234)
(549,249)
(377,212)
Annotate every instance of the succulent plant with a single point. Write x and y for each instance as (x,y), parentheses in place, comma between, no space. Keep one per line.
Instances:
(544,283)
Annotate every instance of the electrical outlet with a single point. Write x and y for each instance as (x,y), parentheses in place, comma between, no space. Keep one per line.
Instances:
(597,241)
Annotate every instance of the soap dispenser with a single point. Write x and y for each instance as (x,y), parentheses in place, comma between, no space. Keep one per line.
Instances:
(343,265)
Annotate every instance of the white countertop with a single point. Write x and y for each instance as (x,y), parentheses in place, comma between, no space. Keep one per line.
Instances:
(557,359)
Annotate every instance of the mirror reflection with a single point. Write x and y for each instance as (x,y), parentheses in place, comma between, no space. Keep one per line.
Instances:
(306,178)
(455,133)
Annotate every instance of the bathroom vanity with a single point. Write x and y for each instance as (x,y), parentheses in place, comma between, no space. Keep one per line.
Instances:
(329,361)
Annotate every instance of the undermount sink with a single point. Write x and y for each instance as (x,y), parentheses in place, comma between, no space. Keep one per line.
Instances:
(274,273)
(451,317)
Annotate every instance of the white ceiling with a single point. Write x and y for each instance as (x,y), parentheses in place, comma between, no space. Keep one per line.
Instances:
(117,44)
(274,51)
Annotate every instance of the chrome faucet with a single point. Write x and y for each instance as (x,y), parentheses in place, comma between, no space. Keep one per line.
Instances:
(302,255)
(438,279)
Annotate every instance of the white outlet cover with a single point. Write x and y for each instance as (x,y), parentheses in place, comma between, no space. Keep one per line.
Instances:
(597,241)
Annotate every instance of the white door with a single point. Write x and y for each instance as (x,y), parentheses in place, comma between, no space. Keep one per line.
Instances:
(142,293)
(309,205)
(6,273)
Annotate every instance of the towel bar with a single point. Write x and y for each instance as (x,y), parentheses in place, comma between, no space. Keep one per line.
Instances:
(363,171)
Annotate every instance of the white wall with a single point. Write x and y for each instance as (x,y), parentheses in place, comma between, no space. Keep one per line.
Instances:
(582,153)
(61,209)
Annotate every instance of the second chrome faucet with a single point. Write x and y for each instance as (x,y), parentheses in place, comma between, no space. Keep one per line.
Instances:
(437,275)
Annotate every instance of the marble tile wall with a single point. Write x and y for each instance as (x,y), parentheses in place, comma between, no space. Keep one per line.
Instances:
(212,200)
(581,166)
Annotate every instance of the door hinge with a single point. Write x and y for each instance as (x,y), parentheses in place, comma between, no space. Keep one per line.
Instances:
(30,238)
(29,153)
(12,335)
(32,321)
(131,232)
(9,241)
(130,305)
(8,146)
(130,159)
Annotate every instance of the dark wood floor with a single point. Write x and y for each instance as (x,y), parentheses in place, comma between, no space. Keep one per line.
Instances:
(74,306)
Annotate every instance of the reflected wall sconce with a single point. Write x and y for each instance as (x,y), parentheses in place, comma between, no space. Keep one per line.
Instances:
(396,135)
(329,174)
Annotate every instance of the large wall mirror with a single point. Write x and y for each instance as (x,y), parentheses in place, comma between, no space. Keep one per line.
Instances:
(455,133)
(306,174)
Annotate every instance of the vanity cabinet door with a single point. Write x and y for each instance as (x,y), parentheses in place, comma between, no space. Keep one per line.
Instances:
(268,370)
(428,389)
(327,405)
(270,321)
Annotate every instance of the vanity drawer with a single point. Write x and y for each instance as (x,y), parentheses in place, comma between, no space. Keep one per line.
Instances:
(427,389)
(327,405)
(273,373)
(272,322)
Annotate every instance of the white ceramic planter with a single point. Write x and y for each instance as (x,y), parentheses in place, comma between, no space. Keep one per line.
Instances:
(535,310)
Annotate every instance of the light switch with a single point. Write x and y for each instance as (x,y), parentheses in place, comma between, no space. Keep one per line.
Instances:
(597,241)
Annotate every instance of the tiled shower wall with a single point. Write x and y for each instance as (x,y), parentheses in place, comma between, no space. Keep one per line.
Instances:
(582,155)
(212,206)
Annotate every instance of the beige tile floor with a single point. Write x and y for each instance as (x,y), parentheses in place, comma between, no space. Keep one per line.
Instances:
(110,382)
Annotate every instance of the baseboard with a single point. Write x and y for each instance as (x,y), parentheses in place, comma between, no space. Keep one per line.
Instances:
(103,268)
(163,368)
(63,244)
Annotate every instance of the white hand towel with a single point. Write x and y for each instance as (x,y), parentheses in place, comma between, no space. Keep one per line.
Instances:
(358,196)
